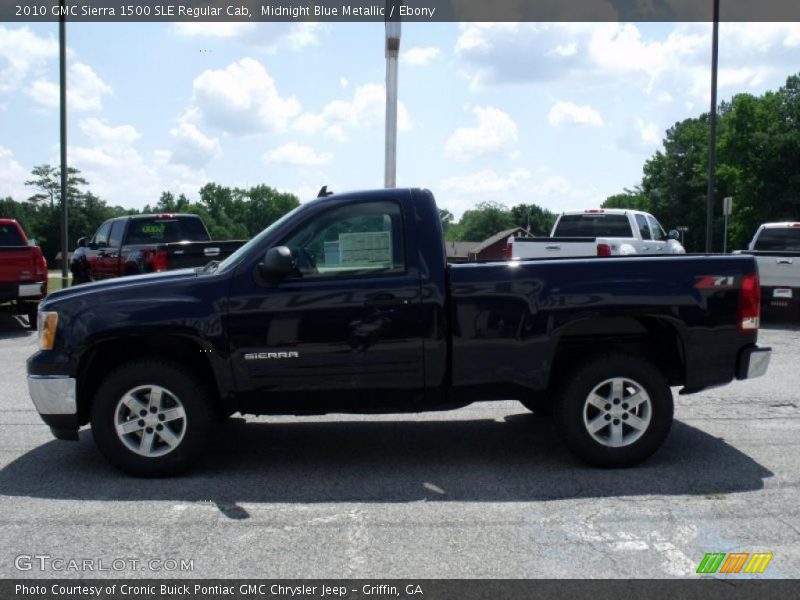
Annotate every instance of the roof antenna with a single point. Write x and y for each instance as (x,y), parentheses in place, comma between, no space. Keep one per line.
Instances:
(323,192)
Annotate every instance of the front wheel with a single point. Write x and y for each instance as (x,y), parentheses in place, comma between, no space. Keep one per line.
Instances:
(151,419)
(615,411)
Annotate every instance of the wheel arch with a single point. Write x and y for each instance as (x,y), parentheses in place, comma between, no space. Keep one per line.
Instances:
(104,356)
(656,339)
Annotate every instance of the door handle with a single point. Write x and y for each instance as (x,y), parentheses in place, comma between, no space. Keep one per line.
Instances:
(211,251)
(384,299)
(645,247)
(552,247)
(784,261)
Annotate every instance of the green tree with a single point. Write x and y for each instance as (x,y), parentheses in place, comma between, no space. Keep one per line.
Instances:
(47,180)
(630,199)
(483,221)
(534,218)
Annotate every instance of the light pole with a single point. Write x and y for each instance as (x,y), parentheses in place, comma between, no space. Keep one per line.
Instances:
(62,60)
(392,54)
(712,134)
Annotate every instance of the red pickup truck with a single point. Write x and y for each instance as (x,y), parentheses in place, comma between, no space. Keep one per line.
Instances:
(138,244)
(23,271)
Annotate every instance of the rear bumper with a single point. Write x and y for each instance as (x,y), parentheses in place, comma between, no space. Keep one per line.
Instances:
(27,290)
(753,362)
(55,399)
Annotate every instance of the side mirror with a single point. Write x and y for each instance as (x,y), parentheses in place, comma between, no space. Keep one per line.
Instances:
(82,242)
(674,234)
(278,262)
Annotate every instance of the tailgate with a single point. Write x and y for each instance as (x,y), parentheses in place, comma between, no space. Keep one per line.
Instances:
(779,270)
(17,264)
(183,255)
(553,247)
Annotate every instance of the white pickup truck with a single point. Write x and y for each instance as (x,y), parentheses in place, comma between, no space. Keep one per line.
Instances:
(776,247)
(598,232)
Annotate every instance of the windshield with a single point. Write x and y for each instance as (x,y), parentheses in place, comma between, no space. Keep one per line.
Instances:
(9,236)
(237,256)
(775,240)
(160,230)
(593,225)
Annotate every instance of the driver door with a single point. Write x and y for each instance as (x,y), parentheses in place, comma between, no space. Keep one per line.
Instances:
(343,332)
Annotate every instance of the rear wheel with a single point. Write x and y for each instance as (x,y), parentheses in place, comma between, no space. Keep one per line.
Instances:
(615,411)
(151,419)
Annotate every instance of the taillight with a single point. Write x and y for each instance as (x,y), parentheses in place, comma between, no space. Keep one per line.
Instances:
(160,262)
(603,250)
(40,264)
(749,304)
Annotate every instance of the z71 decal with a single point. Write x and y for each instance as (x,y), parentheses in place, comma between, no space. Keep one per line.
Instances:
(715,281)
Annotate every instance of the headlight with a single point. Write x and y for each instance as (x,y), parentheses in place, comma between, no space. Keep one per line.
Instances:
(48,321)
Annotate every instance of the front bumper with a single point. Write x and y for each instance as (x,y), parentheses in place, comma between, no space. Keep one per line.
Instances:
(55,399)
(753,362)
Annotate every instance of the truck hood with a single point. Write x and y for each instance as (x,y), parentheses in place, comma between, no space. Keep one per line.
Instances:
(117,287)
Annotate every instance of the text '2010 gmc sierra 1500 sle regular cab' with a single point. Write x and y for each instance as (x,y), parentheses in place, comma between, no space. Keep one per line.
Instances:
(347,305)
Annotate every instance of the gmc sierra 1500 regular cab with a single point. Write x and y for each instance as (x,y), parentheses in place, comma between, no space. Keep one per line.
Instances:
(347,305)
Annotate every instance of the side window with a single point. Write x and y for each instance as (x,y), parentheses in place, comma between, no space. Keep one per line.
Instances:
(359,239)
(644,228)
(101,237)
(115,237)
(657,230)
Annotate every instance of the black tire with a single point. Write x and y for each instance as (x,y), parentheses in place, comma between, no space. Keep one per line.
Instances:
(539,405)
(178,384)
(575,413)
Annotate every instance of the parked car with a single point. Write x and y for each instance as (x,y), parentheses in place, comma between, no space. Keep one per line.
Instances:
(598,232)
(23,271)
(139,244)
(776,247)
(347,305)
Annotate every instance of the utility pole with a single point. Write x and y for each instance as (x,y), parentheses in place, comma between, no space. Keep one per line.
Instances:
(392,55)
(712,135)
(62,58)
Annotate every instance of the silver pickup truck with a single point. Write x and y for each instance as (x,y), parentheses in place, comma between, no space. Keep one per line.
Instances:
(776,247)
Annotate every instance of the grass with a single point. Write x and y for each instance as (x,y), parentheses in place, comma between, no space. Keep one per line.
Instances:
(54,280)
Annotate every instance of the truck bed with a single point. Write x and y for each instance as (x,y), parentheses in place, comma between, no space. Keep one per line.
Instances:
(505,315)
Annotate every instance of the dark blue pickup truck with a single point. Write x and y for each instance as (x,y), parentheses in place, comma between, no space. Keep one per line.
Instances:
(347,305)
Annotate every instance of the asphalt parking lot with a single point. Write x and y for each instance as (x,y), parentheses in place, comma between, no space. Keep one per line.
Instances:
(487,491)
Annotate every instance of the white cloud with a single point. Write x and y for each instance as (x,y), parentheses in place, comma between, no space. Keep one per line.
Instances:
(120,174)
(568,113)
(593,54)
(12,176)
(297,155)
(343,82)
(243,99)
(107,135)
(548,190)
(23,53)
(486,181)
(366,111)
(419,56)
(269,37)
(85,89)
(192,147)
(649,133)
(494,132)
(642,137)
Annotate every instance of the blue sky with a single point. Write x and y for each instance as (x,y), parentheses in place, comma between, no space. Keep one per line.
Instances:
(562,115)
